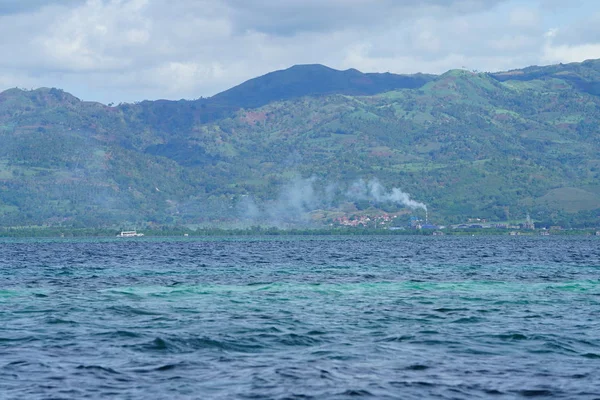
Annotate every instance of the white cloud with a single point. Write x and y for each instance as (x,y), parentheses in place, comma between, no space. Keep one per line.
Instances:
(566,54)
(8,7)
(524,18)
(97,36)
(574,43)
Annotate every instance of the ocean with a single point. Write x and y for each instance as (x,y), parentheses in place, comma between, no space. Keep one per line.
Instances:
(395,317)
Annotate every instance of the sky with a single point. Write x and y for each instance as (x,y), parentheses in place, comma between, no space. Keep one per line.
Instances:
(116,51)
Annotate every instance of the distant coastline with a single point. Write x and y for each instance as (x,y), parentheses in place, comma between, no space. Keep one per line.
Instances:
(51,232)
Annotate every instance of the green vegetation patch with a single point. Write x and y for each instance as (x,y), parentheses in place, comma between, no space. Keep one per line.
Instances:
(570,199)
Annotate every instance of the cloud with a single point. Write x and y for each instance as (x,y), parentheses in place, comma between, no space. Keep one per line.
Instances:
(575,42)
(567,53)
(8,7)
(585,31)
(291,17)
(524,17)
(129,50)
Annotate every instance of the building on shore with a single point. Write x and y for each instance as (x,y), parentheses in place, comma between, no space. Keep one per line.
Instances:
(529,223)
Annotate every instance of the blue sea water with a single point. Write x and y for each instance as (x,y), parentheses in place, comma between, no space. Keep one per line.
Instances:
(300,318)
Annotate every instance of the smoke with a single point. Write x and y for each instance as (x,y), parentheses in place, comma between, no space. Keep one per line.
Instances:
(298,198)
(374,191)
(293,205)
(295,200)
(248,208)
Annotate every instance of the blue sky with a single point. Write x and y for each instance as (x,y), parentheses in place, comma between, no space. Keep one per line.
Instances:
(131,50)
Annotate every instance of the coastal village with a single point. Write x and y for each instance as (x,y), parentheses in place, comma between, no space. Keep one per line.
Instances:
(393,221)
(375,221)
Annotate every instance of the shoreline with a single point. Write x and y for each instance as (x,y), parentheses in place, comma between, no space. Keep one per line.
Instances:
(52,232)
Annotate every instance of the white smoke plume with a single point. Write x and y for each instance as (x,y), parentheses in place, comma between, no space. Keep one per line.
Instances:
(301,196)
(293,205)
(295,200)
(374,191)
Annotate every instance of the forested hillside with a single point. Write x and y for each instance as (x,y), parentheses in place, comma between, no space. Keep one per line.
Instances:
(304,145)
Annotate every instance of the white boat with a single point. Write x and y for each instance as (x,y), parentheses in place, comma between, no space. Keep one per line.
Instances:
(129,234)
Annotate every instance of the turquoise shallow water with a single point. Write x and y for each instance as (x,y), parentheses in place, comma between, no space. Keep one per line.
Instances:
(301,317)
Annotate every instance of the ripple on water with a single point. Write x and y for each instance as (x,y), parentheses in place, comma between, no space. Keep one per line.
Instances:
(186,345)
(338,317)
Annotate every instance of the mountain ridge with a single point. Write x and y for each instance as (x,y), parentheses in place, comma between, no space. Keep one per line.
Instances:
(467,144)
(411,81)
(317,79)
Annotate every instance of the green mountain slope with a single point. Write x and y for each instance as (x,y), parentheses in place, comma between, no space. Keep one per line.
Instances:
(584,76)
(292,147)
(314,80)
(295,82)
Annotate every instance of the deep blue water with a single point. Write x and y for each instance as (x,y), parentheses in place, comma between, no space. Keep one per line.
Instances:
(300,317)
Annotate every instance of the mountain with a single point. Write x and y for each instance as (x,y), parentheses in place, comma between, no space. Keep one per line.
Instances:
(309,144)
(295,82)
(315,80)
(583,76)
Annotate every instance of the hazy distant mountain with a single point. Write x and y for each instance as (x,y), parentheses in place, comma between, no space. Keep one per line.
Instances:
(315,80)
(466,144)
(584,76)
(295,82)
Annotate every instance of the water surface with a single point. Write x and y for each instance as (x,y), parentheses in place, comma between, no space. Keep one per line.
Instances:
(300,317)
